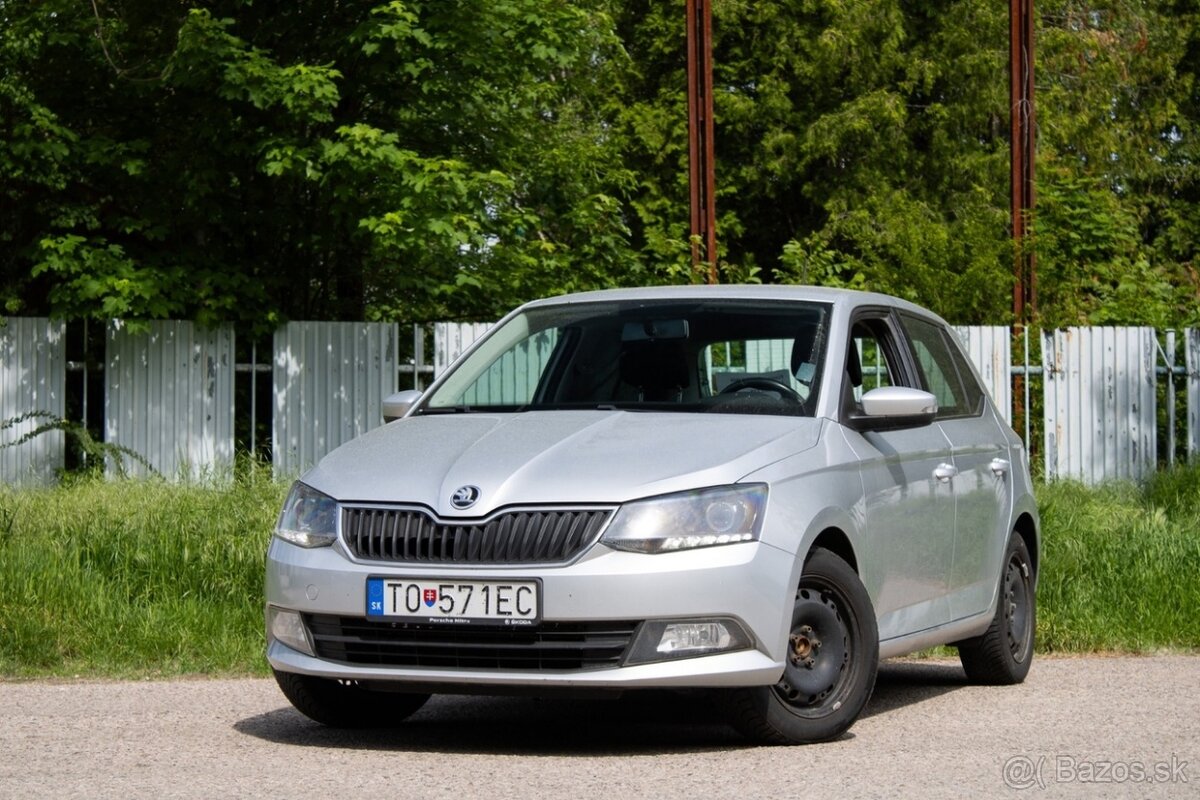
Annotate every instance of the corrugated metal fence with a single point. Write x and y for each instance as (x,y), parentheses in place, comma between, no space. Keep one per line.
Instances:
(169,391)
(1192,361)
(32,378)
(1100,393)
(330,381)
(990,350)
(168,396)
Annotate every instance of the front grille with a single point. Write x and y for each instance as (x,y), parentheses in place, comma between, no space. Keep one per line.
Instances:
(514,537)
(549,646)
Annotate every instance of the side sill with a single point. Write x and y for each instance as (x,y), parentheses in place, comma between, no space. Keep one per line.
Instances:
(932,637)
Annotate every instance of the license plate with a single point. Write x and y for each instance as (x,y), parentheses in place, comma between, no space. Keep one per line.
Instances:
(454,601)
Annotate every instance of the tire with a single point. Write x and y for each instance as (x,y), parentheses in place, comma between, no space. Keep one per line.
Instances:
(345,704)
(833,656)
(1002,655)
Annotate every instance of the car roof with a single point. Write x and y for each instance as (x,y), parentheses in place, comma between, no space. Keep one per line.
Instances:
(845,298)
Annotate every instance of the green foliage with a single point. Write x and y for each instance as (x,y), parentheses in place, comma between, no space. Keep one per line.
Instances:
(95,454)
(1094,267)
(95,274)
(1116,181)
(865,144)
(858,144)
(396,159)
(421,159)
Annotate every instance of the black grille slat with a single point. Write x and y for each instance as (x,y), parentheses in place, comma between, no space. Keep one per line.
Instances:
(551,645)
(581,530)
(513,537)
(376,534)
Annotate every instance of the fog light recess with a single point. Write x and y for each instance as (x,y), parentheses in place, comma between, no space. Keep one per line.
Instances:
(286,627)
(664,640)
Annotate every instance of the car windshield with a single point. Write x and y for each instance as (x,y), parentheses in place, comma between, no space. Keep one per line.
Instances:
(725,356)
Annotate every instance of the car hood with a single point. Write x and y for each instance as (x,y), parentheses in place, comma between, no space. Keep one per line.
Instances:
(554,457)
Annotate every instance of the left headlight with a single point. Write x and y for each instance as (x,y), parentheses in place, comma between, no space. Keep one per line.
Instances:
(308,519)
(700,518)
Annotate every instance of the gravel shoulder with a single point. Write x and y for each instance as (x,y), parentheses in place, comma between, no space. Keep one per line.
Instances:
(925,733)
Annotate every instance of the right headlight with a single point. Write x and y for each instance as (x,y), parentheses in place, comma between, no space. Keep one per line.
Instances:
(308,519)
(700,518)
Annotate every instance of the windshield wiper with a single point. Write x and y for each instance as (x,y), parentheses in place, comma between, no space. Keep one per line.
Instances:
(448,410)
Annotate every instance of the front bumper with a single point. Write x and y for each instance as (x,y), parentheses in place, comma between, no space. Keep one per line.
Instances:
(747,582)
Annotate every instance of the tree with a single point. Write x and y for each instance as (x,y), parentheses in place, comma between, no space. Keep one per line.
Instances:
(858,144)
(865,144)
(233,161)
(1117,180)
(421,159)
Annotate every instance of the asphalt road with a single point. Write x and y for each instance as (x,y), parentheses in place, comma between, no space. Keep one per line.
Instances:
(1081,727)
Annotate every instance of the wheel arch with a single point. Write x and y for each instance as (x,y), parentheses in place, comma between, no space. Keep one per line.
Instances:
(1027,529)
(836,541)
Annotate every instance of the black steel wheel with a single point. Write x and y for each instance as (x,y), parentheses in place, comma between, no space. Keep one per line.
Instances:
(832,659)
(1002,655)
(346,704)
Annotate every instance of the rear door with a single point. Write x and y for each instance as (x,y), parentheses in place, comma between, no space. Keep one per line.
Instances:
(981,487)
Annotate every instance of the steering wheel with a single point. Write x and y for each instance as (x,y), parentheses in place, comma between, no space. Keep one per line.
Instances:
(761,383)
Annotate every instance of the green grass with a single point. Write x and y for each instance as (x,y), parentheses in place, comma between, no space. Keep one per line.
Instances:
(1121,566)
(148,578)
(128,578)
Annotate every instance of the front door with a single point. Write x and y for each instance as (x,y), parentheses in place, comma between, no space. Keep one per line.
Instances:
(909,509)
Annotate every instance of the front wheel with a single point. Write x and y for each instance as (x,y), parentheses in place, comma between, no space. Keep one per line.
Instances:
(832,659)
(346,704)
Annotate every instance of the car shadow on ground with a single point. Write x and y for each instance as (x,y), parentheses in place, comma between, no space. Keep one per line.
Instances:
(905,683)
(641,723)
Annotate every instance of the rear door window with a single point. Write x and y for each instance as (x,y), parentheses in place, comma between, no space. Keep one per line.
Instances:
(944,369)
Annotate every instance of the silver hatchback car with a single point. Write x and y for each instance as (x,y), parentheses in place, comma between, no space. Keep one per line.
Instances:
(756,490)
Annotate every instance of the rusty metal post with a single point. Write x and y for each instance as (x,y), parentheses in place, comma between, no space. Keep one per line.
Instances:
(1023,126)
(701,172)
(1023,121)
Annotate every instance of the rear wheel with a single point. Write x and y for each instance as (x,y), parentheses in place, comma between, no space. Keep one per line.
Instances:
(832,658)
(346,704)
(1002,655)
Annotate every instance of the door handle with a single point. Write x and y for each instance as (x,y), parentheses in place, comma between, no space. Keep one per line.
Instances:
(944,472)
(999,466)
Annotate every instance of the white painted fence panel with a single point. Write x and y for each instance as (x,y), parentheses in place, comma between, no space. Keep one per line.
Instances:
(1099,390)
(330,381)
(168,396)
(1191,350)
(990,349)
(32,378)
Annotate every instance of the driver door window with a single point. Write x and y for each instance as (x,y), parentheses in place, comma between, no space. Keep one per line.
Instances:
(871,361)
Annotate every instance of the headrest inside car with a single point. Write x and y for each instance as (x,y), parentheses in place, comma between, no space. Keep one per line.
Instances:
(655,367)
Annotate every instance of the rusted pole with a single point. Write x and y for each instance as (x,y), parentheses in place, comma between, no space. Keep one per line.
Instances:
(701,171)
(1023,121)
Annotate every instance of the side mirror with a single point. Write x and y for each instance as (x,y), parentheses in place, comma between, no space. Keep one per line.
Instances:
(895,407)
(397,405)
